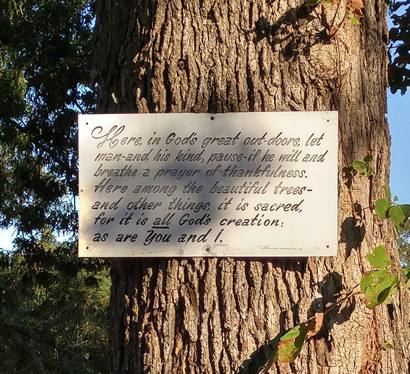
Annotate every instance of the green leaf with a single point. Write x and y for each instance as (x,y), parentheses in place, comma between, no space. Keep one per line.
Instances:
(382,206)
(397,215)
(378,287)
(406,210)
(355,21)
(314,2)
(369,171)
(363,167)
(359,166)
(291,343)
(379,258)
(388,298)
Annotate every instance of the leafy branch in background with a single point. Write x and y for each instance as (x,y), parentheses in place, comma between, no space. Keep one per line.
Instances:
(53,306)
(45,54)
(399,46)
(52,311)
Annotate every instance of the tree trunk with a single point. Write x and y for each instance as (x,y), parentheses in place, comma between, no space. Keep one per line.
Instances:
(207,315)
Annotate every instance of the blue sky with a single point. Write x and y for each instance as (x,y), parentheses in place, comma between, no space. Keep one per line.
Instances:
(399,118)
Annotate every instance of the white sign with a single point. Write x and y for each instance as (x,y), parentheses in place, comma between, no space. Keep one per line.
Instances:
(234,184)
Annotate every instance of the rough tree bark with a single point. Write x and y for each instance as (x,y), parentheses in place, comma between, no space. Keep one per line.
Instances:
(208,315)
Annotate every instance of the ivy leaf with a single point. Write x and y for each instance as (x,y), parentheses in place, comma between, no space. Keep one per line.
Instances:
(389,293)
(379,258)
(363,167)
(359,166)
(290,344)
(378,287)
(382,206)
(397,215)
(369,171)
(355,21)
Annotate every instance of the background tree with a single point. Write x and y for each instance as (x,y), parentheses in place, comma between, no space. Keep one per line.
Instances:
(399,48)
(52,305)
(52,313)
(209,315)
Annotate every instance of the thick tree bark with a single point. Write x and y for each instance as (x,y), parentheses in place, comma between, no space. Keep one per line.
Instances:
(208,315)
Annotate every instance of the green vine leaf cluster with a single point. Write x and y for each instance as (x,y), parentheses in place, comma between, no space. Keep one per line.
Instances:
(378,287)
(380,284)
(364,166)
(398,213)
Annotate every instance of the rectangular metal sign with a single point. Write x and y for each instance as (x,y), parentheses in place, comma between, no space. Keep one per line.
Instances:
(233,184)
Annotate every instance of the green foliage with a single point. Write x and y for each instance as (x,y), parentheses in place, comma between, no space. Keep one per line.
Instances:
(382,206)
(51,319)
(364,166)
(355,20)
(290,344)
(283,348)
(404,247)
(379,258)
(399,47)
(45,54)
(398,213)
(380,285)
(52,305)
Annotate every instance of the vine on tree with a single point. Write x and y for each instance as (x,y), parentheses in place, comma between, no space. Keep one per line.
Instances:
(378,286)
